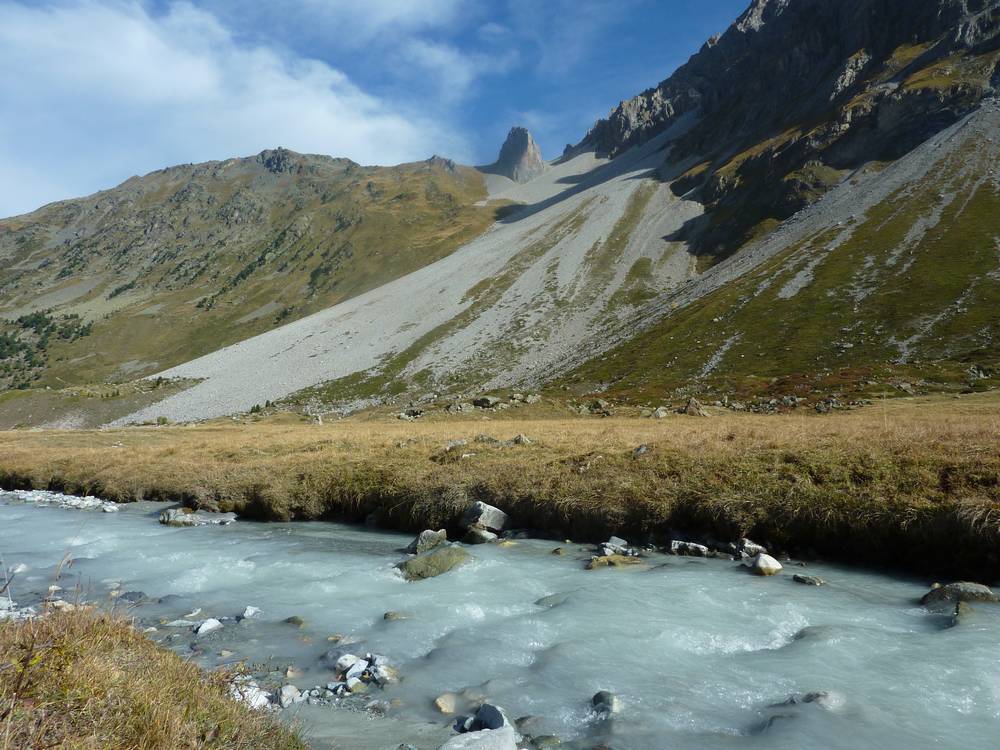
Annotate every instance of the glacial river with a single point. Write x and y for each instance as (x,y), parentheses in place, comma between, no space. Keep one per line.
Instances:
(700,652)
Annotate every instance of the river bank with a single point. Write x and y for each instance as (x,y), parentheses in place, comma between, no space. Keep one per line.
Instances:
(912,484)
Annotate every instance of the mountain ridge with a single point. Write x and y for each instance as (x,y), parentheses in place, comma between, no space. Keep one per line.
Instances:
(618,267)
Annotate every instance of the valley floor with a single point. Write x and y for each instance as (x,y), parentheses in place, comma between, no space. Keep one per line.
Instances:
(912,483)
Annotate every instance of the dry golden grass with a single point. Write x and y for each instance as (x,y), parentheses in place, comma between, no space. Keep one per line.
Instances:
(88,681)
(914,482)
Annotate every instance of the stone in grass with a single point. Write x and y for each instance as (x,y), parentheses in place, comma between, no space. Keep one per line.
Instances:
(694,408)
(433,563)
(427,540)
(762,565)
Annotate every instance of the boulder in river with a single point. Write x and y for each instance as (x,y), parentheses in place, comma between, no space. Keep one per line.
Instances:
(288,695)
(488,517)
(433,563)
(447,703)
(688,549)
(612,561)
(208,626)
(427,540)
(762,565)
(188,517)
(960,591)
(504,738)
(479,535)
(605,703)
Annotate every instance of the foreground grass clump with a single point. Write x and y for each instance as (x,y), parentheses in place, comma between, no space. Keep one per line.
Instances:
(83,679)
(913,483)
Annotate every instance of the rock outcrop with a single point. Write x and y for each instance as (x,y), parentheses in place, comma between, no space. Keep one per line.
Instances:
(520,158)
(860,80)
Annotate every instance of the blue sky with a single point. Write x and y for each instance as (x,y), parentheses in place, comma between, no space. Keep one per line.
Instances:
(93,91)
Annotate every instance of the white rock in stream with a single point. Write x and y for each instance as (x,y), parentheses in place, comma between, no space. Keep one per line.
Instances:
(504,738)
(762,564)
(44,497)
(288,695)
(251,612)
(208,626)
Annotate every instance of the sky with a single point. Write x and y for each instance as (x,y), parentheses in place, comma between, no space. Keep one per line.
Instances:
(95,91)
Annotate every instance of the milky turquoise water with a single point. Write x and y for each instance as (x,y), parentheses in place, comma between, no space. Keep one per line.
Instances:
(698,650)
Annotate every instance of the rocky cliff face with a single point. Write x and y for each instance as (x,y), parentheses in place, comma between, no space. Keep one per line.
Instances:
(520,158)
(796,92)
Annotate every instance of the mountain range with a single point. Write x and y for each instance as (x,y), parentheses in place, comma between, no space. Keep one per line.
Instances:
(809,206)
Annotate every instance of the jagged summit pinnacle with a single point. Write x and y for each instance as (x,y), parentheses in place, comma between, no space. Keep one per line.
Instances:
(520,158)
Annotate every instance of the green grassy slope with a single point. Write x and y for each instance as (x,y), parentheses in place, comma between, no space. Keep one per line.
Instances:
(185,260)
(890,297)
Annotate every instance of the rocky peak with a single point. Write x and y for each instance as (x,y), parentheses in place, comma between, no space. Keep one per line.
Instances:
(276,160)
(520,158)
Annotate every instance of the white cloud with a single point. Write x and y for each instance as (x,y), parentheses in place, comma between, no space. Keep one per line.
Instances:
(452,70)
(92,91)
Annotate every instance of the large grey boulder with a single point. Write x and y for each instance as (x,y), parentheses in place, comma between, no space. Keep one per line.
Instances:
(504,738)
(606,703)
(960,591)
(762,565)
(427,540)
(485,516)
(433,563)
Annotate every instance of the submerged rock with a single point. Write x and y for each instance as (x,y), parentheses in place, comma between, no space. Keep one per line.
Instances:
(479,535)
(822,698)
(808,580)
(188,517)
(606,703)
(447,703)
(612,561)
(962,614)
(433,563)
(427,540)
